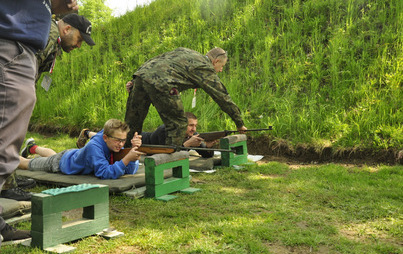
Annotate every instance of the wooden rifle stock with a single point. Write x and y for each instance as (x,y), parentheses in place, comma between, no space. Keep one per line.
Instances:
(214,135)
(147,149)
(156,149)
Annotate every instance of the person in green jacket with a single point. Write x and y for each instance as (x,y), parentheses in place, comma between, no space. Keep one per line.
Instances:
(160,80)
(67,34)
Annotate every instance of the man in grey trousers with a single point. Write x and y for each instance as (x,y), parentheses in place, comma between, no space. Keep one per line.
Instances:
(24,29)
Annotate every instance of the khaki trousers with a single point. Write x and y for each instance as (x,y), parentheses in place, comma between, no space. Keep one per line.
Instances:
(17,100)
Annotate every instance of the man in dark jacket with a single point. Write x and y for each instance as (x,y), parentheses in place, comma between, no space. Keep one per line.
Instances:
(191,139)
(160,80)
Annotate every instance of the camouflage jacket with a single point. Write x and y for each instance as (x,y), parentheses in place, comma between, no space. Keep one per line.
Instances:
(46,56)
(184,69)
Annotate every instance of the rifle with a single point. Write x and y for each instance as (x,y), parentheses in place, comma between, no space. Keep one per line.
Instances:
(210,136)
(155,149)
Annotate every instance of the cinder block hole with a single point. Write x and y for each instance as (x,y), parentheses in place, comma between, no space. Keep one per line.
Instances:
(72,215)
(238,150)
(77,216)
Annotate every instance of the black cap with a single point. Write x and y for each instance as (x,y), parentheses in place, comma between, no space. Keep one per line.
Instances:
(82,24)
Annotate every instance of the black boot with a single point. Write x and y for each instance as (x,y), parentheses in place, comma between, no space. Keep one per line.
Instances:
(10,234)
(25,183)
(16,194)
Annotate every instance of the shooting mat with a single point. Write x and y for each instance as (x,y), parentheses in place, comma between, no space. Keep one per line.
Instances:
(13,208)
(124,183)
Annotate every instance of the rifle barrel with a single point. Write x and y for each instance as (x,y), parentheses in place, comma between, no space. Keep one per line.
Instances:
(262,129)
(207,149)
(176,148)
(154,149)
(214,135)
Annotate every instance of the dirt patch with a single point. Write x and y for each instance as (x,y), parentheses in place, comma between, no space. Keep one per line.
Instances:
(49,131)
(127,249)
(281,249)
(368,233)
(281,151)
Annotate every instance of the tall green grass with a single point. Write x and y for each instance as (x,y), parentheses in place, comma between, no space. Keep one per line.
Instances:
(318,71)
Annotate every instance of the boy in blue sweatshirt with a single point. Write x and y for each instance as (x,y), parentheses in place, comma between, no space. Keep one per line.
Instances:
(94,158)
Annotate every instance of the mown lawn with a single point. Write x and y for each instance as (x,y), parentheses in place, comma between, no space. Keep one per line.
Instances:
(268,208)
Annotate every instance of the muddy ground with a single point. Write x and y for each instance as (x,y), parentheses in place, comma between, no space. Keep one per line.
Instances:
(281,151)
(305,154)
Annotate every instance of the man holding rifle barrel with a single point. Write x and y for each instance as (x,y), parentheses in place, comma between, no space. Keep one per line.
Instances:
(160,80)
(191,139)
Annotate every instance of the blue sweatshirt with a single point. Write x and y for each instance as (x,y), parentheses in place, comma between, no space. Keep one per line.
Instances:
(94,158)
(26,21)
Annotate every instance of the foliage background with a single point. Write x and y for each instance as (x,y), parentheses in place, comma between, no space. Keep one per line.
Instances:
(321,72)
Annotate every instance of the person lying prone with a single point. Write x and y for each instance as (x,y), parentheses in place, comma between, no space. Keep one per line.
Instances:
(95,158)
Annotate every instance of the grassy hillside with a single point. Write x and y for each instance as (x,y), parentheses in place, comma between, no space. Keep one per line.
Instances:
(321,72)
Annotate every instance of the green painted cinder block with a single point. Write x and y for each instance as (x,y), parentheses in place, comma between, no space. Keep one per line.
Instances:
(181,171)
(155,174)
(47,228)
(230,159)
(52,222)
(49,222)
(68,233)
(170,185)
(48,204)
(157,186)
(96,211)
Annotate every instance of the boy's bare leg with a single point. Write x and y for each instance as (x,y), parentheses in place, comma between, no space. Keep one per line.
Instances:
(44,152)
(41,151)
(23,163)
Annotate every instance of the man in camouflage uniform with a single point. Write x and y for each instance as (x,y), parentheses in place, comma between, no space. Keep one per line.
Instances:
(67,34)
(160,80)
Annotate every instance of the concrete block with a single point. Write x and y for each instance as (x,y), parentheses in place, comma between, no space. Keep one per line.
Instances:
(47,228)
(238,143)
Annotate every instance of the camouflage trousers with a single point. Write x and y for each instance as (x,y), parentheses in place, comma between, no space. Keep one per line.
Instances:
(10,182)
(167,102)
